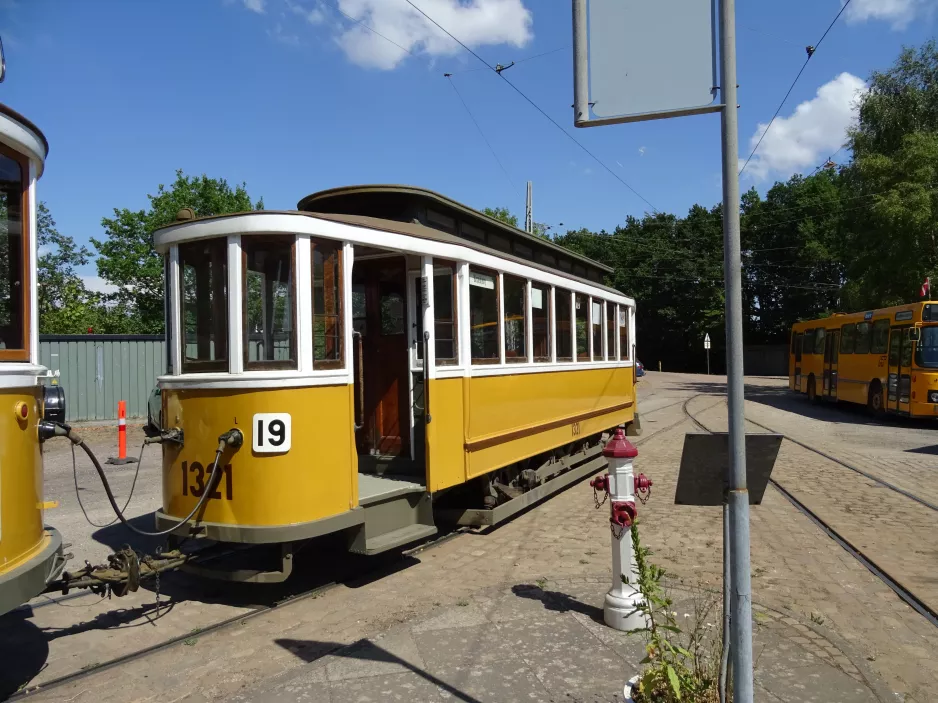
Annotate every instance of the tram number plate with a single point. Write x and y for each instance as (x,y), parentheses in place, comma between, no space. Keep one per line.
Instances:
(195,480)
(271,433)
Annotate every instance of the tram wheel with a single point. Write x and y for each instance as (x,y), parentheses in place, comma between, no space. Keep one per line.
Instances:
(876,403)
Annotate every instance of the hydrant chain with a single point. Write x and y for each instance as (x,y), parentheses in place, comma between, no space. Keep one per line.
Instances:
(600,483)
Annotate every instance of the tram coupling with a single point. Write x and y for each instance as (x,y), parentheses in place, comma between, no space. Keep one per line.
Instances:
(122,574)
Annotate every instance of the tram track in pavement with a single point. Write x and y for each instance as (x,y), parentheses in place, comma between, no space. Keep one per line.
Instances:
(252,612)
(902,591)
(378,571)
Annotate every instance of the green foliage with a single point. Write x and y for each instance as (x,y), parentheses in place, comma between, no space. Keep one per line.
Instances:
(126,257)
(66,306)
(673,672)
(502,214)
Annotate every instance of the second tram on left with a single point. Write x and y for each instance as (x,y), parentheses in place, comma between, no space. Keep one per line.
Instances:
(30,551)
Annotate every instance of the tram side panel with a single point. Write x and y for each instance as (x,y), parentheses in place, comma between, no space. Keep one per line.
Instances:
(314,479)
(446,433)
(21,532)
(513,417)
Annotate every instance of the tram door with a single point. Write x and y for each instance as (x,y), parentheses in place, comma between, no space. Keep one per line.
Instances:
(831,353)
(899,384)
(379,297)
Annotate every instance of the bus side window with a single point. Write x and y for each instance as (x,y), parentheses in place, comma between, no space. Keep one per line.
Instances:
(796,343)
(807,343)
(848,338)
(819,340)
(880,340)
(863,338)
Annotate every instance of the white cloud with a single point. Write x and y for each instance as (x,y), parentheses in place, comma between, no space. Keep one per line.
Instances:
(255,5)
(899,12)
(97,284)
(315,15)
(476,23)
(815,129)
(641,151)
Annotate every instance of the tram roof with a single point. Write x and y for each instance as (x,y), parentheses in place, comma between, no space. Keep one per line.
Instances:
(161,237)
(409,203)
(13,114)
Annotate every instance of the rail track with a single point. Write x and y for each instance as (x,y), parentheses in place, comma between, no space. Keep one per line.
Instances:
(255,611)
(904,593)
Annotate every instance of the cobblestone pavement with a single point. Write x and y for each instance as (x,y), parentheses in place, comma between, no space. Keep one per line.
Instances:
(864,630)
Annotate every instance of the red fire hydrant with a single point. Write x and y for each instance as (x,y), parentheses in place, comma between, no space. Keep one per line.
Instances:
(621,605)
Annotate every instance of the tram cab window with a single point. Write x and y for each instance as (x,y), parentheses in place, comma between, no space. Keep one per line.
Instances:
(515,327)
(203,267)
(819,335)
(540,320)
(596,321)
(483,314)
(327,305)
(581,303)
(610,331)
(564,313)
(14,297)
(444,313)
(269,303)
(623,332)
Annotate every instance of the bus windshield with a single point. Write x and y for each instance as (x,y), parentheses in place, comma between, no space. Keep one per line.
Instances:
(926,351)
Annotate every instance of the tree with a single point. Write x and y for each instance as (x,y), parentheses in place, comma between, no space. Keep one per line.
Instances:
(502,214)
(126,257)
(66,306)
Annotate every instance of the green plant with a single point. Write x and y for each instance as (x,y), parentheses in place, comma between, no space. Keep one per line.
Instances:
(678,666)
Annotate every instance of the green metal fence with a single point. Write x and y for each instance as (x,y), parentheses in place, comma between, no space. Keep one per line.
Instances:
(97,370)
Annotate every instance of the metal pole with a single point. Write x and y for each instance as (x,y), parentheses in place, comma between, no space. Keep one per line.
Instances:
(581,74)
(708,361)
(725,651)
(529,210)
(741,594)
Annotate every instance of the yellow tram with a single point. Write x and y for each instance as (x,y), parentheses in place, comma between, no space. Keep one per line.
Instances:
(30,552)
(390,358)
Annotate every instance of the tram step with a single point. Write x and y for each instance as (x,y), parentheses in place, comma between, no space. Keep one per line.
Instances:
(398,538)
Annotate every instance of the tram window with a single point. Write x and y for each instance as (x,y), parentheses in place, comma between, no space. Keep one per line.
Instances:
(269,303)
(471,232)
(547,259)
(483,311)
(515,327)
(848,338)
(819,335)
(438,220)
(540,320)
(610,331)
(564,325)
(596,321)
(624,332)
(14,298)
(204,267)
(807,343)
(863,338)
(523,251)
(579,270)
(565,264)
(444,313)
(327,305)
(582,325)
(880,340)
(498,242)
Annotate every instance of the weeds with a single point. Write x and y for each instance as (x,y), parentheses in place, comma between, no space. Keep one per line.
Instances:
(679,666)
(817,618)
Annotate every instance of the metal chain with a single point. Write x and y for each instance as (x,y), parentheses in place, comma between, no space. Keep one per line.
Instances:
(596,500)
(616,530)
(643,496)
(157,594)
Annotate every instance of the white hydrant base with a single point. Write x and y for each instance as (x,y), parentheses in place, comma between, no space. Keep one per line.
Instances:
(621,612)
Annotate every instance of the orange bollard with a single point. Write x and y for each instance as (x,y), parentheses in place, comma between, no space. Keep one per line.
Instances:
(121,457)
(121,429)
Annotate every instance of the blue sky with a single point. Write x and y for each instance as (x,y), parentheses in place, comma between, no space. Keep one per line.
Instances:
(293,97)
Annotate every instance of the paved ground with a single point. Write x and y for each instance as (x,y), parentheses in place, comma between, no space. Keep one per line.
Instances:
(820,607)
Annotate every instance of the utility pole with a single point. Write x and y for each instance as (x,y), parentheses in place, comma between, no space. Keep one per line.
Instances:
(707,347)
(738,513)
(529,210)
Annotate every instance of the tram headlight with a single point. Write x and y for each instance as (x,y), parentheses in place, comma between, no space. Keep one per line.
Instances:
(53,404)
(933,396)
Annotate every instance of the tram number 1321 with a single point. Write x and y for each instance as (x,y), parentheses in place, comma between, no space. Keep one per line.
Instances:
(195,479)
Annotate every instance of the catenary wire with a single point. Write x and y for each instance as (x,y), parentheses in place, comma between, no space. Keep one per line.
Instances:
(538,108)
(481,133)
(811,53)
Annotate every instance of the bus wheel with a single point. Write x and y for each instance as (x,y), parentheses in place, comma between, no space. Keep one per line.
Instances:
(876,402)
(812,390)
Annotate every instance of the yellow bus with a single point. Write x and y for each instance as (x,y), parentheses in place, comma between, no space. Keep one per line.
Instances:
(886,359)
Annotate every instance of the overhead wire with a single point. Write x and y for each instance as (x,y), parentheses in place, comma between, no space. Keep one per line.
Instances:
(481,133)
(536,107)
(812,50)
